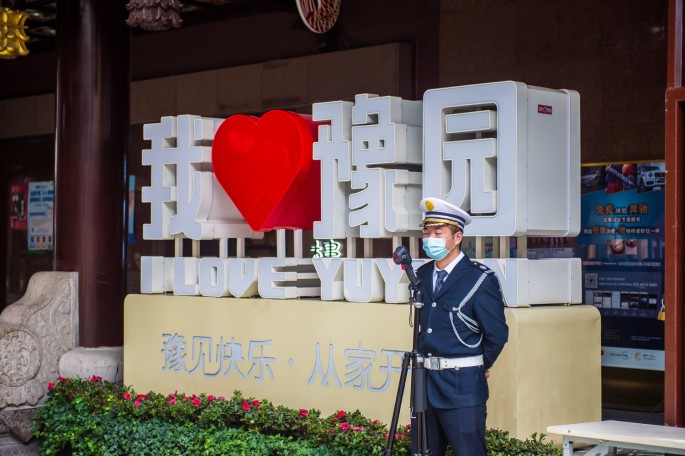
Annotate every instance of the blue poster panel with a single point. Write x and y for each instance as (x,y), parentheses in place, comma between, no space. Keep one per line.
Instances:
(621,244)
(40,215)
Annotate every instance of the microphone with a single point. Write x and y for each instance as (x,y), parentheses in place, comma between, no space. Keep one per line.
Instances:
(401,256)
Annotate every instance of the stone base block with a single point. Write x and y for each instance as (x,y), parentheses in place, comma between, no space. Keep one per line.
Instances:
(16,432)
(332,355)
(11,447)
(549,372)
(105,362)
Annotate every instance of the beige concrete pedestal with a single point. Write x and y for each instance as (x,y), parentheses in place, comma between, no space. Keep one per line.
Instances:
(342,355)
(549,372)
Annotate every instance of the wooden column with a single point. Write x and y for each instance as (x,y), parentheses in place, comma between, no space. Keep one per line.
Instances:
(675,233)
(91,138)
(4,227)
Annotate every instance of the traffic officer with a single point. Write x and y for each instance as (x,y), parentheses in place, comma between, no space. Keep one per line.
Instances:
(462,332)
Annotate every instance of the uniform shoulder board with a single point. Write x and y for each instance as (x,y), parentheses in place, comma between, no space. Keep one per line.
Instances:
(482,267)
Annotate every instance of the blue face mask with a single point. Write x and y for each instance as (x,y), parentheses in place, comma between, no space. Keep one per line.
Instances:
(435,248)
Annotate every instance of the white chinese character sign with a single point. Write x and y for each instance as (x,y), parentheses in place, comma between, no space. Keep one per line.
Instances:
(506,152)
(185,199)
(370,153)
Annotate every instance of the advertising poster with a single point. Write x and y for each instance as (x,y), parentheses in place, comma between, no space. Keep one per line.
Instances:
(18,203)
(621,244)
(40,215)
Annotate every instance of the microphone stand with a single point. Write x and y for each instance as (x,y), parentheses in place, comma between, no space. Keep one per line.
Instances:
(418,400)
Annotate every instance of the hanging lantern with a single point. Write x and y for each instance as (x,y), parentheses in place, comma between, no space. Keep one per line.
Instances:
(154,15)
(13,36)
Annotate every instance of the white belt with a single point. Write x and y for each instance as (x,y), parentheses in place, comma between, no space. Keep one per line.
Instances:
(435,363)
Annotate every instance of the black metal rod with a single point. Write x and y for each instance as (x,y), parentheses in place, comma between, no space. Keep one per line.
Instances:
(398,404)
(418,400)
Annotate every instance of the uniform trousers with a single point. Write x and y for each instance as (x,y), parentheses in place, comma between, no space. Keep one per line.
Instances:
(463,428)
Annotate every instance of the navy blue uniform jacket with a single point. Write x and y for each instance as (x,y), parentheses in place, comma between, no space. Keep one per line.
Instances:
(466,387)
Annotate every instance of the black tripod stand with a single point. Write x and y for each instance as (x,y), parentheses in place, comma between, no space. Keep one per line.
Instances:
(418,400)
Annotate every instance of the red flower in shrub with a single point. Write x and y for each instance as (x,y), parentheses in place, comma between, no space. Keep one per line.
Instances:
(246,406)
(210,398)
(127,396)
(172,400)
(196,402)
(255,403)
(51,385)
(304,412)
(62,379)
(95,378)
(137,403)
(341,414)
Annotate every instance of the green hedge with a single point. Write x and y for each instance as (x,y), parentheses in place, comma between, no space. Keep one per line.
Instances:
(94,417)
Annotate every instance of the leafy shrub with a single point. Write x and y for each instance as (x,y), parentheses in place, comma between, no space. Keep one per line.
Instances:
(500,444)
(95,417)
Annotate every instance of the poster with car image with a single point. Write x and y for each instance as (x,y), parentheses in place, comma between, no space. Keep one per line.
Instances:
(621,244)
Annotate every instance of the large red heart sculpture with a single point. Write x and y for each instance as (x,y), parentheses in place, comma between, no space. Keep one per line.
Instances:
(265,166)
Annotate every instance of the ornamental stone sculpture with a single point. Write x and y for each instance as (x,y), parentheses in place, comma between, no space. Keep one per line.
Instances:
(34,333)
